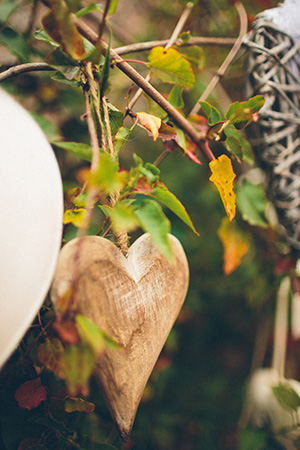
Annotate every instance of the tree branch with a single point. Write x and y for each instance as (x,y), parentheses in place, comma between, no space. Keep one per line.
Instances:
(23,68)
(144,46)
(181,121)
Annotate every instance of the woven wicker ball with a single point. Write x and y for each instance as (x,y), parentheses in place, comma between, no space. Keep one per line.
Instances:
(273,67)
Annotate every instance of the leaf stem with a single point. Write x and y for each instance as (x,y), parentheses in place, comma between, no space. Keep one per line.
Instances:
(103,21)
(229,58)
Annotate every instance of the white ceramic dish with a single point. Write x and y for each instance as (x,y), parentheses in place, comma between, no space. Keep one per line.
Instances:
(31,210)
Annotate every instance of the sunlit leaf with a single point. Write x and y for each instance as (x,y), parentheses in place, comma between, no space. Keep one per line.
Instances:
(222,177)
(153,220)
(171,67)
(151,123)
(106,179)
(77,404)
(91,7)
(122,216)
(30,394)
(252,203)
(235,243)
(161,193)
(76,216)
(113,6)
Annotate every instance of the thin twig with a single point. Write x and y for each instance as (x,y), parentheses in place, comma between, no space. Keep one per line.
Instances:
(177,30)
(281,326)
(197,40)
(24,68)
(228,60)
(102,24)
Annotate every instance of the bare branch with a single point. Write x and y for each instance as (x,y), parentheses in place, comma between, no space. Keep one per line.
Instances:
(24,68)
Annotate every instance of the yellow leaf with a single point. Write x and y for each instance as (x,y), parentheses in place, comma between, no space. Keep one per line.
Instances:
(235,243)
(222,177)
(151,123)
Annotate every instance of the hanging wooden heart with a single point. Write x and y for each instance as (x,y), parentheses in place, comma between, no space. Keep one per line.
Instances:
(135,300)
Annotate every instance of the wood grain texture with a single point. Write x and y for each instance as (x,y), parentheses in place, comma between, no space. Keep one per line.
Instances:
(135,300)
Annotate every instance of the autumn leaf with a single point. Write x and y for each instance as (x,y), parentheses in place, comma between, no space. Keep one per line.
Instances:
(76,216)
(155,126)
(50,354)
(30,394)
(235,243)
(222,177)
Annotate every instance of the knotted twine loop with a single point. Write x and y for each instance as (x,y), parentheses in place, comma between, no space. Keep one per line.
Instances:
(274,71)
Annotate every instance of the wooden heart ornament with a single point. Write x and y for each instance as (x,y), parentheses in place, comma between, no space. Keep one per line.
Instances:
(134,300)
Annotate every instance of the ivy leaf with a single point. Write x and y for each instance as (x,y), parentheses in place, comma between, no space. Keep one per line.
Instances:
(222,177)
(240,146)
(171,67)
(83,151)
(211,113)
(153,220)
(77,404)
(30,394)
(252,202)
(235,243)
(60,26)
(243,113)
(287,397)
(92,335)
(161,193)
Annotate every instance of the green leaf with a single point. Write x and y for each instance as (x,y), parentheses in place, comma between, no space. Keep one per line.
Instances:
(241,113)
(83,151)
(286,396)
(113,6)
(233,146)
(103,84)
(171,67)
(50,130)
(77,404)
(247,154)
(153,220)
(185,36)
(62,79)
(60,26)
(252,203)
(121,138)
(15,44)
(92,6)
(42,35)
(93,336)
(212,114)
(115,118)
(161,193)
(62,62)
(175,97)
(194,54)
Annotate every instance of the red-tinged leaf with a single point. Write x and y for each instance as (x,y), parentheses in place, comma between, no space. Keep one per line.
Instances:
(222,177)
(235,244)
(77,404)
(144,186)
(151,123)
(60,26)
(30,394)
(66,330)
(50,354)
(191,152)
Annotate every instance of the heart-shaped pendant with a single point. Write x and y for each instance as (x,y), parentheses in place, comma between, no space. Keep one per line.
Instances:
(134,300)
